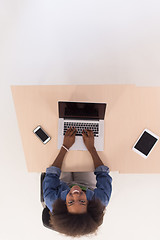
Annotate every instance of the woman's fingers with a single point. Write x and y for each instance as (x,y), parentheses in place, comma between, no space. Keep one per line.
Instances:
(86,132)
(90,132)
(70,131)
(74,130)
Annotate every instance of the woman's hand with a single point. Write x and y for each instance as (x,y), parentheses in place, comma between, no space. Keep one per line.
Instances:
(69,137)
(88,139)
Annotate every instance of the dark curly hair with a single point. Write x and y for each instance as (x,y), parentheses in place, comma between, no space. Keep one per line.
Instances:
(77,225)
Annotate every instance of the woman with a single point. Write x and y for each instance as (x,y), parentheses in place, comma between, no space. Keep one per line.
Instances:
(77,200)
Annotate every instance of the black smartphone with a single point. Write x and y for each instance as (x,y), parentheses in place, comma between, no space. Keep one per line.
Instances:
(41,134)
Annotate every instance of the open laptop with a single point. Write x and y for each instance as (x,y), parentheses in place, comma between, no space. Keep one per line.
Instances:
(82,115)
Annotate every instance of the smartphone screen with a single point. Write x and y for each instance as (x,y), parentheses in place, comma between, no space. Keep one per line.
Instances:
(145,143)
(41,134)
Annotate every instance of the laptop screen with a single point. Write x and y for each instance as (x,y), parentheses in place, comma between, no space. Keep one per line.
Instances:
(81,110)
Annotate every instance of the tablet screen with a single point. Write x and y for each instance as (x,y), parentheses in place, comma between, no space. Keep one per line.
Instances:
(145,143)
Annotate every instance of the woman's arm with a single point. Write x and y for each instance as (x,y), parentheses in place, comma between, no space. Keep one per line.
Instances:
(96,159)
(88,138)
(51,181)
(68,141)
(104,180)
(59,159)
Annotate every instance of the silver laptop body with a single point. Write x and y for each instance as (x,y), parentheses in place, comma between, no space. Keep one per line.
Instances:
(82,115)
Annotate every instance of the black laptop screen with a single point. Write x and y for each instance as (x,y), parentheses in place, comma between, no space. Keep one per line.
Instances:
(81,110)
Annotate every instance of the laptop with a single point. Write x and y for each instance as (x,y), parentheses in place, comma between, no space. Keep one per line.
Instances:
(81,115)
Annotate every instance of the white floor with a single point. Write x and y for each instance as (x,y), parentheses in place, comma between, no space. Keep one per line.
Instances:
(75,42)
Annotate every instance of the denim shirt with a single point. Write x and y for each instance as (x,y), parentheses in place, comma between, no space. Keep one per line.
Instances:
(54,188)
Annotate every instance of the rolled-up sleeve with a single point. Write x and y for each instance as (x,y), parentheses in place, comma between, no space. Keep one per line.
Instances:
(104,184)
(50,185)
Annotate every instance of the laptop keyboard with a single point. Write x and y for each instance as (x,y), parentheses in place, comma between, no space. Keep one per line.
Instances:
(82,126)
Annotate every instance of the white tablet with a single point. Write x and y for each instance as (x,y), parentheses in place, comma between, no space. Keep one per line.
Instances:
(145,143)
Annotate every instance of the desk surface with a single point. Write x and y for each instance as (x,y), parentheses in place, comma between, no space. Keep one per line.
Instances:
(129,111)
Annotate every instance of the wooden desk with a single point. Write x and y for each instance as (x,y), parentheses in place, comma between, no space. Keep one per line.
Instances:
(130,109)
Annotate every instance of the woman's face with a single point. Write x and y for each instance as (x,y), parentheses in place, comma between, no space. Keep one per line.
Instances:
(76,200)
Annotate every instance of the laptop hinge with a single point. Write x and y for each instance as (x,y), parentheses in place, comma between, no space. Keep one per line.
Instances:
(81,119)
